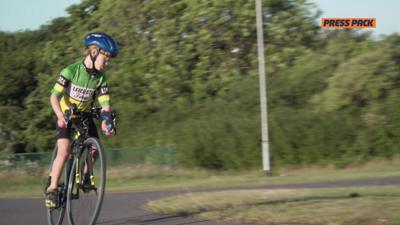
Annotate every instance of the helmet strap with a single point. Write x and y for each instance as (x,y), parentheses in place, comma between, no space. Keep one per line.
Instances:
(93,70)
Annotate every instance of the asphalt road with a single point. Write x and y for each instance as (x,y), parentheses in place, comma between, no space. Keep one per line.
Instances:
(127,208)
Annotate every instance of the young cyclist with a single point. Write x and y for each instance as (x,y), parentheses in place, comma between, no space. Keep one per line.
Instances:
(80,83)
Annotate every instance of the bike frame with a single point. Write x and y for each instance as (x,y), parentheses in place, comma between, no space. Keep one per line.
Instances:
(75,168)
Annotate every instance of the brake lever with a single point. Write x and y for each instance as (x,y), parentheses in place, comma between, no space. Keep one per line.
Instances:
(114,120)
(115,126)
(68,114)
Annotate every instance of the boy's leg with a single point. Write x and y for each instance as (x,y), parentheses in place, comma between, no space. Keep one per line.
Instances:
(93,133)
(63,152)
(93,152)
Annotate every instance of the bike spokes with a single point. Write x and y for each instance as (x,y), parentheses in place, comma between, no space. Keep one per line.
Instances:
(87,188)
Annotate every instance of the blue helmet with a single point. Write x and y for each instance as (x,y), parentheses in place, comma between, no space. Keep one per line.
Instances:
(103,41)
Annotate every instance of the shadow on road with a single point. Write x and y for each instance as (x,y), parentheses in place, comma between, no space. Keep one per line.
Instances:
(152,219)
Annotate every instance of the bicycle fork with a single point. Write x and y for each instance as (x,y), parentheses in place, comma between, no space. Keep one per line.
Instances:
(87,178)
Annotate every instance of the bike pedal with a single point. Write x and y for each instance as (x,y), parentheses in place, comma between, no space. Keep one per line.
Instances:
(74,196)
(87,189)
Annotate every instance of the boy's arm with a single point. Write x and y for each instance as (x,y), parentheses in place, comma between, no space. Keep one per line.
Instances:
(55,104)
(62,83)
(103,99)
(106,108)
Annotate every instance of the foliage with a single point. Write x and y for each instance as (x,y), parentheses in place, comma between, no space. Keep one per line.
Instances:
(187,77)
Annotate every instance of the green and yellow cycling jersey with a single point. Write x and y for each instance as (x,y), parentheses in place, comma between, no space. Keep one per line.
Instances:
(77,86)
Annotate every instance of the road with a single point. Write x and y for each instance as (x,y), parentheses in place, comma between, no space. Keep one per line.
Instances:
(127,208)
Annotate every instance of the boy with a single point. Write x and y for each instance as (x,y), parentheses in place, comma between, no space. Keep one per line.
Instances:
(78,84)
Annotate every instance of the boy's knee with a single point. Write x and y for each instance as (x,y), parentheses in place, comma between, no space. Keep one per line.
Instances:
(63,153)
(63,148)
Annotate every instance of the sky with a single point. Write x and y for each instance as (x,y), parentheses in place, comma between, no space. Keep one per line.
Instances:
(17,15)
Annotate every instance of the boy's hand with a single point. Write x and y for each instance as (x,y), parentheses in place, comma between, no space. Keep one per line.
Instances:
(61,122)
(107,129)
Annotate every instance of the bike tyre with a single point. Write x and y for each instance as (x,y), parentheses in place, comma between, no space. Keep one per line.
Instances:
(101,163)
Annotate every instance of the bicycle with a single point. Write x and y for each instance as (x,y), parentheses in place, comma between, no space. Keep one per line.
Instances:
(81,190)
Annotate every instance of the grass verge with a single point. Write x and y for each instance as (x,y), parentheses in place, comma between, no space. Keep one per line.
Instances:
(29,183)
(339,206)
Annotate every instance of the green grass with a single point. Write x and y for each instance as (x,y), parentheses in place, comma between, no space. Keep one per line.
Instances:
(21,183)
(339,206)
(159,178)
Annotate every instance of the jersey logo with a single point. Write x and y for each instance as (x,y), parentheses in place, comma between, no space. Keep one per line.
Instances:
(61,80)
(80,93)
(104,90)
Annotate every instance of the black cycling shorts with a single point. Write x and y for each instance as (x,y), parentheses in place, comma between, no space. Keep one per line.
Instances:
(66,131)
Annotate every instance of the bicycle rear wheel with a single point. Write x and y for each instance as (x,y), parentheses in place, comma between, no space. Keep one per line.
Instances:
(56,216)
(84,199)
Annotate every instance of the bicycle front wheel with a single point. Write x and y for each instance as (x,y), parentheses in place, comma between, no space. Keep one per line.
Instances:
(86,184)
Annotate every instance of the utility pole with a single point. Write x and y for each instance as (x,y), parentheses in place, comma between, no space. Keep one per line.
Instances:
(263,89)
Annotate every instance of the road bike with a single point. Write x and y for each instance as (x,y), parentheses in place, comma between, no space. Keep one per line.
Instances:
(82,184)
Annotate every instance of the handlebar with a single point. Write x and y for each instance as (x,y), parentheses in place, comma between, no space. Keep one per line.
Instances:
(68,114)
(111,118)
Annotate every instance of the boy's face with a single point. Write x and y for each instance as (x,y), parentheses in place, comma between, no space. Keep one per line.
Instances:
(102,60)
